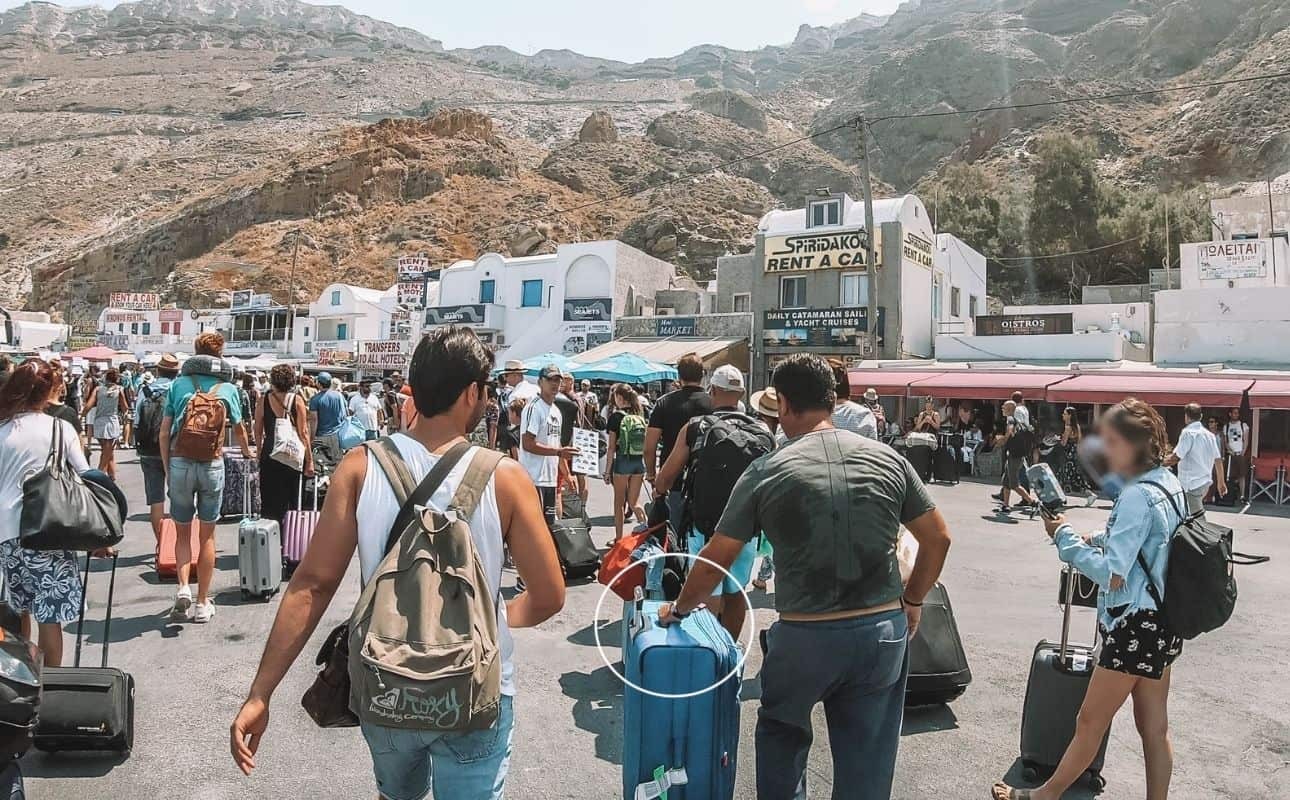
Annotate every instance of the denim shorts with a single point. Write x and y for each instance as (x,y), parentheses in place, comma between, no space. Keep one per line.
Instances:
(629,465)
(460,766)
(154,479)
(196,489)
(741,568)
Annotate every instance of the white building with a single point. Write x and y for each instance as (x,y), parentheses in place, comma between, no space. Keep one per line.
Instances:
(142,331)
(1101,332)
(34,330)
(563,302)
(342,320)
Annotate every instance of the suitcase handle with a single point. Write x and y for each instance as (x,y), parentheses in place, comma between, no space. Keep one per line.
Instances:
(107,621)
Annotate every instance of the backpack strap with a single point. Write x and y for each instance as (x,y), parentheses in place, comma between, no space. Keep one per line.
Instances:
(1142,561)
(480,471)
(396,472)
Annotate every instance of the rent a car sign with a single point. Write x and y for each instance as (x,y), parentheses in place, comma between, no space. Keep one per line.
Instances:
(811,251)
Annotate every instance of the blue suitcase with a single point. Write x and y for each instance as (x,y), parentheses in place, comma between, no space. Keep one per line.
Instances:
(694,739)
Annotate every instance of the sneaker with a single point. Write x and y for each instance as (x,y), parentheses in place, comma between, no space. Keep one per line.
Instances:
(205,611)
(183,605)
(1005,509)
(997,496)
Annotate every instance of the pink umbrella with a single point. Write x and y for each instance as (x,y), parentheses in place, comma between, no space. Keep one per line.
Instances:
(95,353)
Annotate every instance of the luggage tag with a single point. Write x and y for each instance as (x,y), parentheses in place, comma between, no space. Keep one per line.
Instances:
(664,779)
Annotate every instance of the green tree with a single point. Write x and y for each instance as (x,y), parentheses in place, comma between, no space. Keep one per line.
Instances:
(1065,206)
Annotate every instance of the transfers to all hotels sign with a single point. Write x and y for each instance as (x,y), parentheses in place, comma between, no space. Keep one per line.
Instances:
(134,301)
(800,252)
(1231,260)
(383,355)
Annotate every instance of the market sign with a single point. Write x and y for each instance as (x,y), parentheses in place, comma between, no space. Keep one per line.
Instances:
(1231,260)
(591,309)
(675,326)
(819,327)
(384,354)
(115,317)
(810,251)
(917,249)
(1024,324)
(412,294)
(134,301)
(456,315)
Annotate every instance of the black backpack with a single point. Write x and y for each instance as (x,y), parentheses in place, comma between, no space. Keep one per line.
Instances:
(152,410)
(1200,563)
(726,443)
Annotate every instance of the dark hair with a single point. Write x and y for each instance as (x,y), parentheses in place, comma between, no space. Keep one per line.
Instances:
(805,381)
(306,381)
(209,343)
(445,363)
(28,388)
(282,377)
(841,383)
(1193,411)
(248,381)
(112,376)
(1143,427)
(689,369)
(1018,398)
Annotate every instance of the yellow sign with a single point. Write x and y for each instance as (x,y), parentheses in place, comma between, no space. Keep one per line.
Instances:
(811,251)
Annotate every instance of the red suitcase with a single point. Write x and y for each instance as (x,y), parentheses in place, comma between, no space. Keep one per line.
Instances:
(167,567)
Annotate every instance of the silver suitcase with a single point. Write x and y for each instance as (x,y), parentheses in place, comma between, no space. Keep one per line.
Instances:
(259,553)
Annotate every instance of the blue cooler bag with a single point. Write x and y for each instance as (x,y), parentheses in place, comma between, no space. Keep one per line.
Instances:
(689,743)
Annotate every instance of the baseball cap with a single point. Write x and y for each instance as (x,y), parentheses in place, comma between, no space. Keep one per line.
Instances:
(550,373)
(324,379)
(728,377)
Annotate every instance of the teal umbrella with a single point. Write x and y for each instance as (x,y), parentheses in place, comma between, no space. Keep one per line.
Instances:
(534,365)
(625,367)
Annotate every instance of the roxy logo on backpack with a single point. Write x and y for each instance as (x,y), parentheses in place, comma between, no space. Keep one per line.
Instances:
(726,443)
(631,435)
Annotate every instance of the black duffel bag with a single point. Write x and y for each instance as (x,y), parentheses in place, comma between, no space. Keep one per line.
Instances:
(20,688)
(62,511)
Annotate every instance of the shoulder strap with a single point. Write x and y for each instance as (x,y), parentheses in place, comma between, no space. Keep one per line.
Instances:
(480,471)
(1142,561)
(396,472)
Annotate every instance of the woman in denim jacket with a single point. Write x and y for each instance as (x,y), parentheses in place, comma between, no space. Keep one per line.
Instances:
(1137,650)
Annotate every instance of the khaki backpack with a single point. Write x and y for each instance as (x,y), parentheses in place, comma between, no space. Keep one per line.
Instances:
(202,429)
(423,641)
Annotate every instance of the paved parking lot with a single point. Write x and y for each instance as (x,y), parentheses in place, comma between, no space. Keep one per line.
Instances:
(1231,709)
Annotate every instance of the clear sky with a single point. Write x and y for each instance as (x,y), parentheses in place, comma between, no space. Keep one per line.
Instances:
(620,29)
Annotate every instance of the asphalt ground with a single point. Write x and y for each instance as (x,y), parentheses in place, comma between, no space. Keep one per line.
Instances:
(1230,705)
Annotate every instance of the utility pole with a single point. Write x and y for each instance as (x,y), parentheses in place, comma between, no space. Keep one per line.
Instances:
(871,256)
(291,294)
(1169,256)
(1272,231)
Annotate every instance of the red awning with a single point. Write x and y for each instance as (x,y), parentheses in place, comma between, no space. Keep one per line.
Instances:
(1270,394)
(886,381)
(1159,390)
(970,384)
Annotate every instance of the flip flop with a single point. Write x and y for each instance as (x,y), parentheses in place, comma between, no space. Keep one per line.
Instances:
(1002,791)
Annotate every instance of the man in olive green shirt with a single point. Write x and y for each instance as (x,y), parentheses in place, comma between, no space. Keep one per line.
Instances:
(832,503)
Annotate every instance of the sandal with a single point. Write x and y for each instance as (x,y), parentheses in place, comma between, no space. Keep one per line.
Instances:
(1002,791)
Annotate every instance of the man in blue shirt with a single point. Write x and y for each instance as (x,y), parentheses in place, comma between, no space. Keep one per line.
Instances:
(327,413)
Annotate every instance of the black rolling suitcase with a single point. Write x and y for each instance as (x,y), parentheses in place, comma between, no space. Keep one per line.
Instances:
(938,667)
(945,464)
(578,555)
(88,708)
(1059,677)
(920,455)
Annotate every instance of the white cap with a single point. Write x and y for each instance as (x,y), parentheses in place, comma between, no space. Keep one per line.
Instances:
(729,378)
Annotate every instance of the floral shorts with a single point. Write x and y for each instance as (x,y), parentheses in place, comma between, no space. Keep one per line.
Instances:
(45,583)
(1140,646)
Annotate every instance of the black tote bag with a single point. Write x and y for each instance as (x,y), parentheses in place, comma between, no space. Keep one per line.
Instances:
(61,511)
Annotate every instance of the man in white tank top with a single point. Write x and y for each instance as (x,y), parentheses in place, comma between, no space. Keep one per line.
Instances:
(448,375)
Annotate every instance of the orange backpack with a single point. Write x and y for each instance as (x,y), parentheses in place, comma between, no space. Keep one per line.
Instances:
(202,429)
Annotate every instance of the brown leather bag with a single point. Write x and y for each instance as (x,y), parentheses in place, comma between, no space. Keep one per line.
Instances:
(202,430)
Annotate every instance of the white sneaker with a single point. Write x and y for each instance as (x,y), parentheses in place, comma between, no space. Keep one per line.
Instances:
(204,611)
(183,605)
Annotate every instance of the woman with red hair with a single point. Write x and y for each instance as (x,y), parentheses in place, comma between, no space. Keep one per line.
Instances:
(44,584)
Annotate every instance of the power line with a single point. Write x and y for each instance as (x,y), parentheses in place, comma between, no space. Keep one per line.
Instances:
(1071,253)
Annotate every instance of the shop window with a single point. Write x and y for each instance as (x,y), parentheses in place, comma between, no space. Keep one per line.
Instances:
(335,297)
(936,299)
(120,327)
(147,328)
(825,212)
(342,331)
(972,309)
(954,301)
(792,292)
(487,291)
(855,290)
(531,294)
(742,302)
(134,327)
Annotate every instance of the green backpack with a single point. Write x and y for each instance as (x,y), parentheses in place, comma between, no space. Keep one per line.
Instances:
(631,435)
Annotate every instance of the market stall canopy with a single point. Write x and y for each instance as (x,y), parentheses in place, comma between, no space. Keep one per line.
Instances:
(626,367)
(977,385)
(1270,394)
(887,381)
(1158,390)
(96,353)
(664,351)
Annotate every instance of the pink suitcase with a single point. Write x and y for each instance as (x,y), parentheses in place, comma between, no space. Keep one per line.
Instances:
(297,530)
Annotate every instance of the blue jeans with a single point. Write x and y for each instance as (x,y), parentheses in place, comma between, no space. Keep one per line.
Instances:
(196,489)
(456,766)
(857,668)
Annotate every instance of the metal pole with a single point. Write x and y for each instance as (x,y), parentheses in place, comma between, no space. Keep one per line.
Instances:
(291,294)
(1272,232)
(871,256)
(1168,255)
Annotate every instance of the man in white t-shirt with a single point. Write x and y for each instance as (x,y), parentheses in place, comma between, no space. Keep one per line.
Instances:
(365,408)
(449,371)
(1198,460)
(540,450)
(1236,443)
